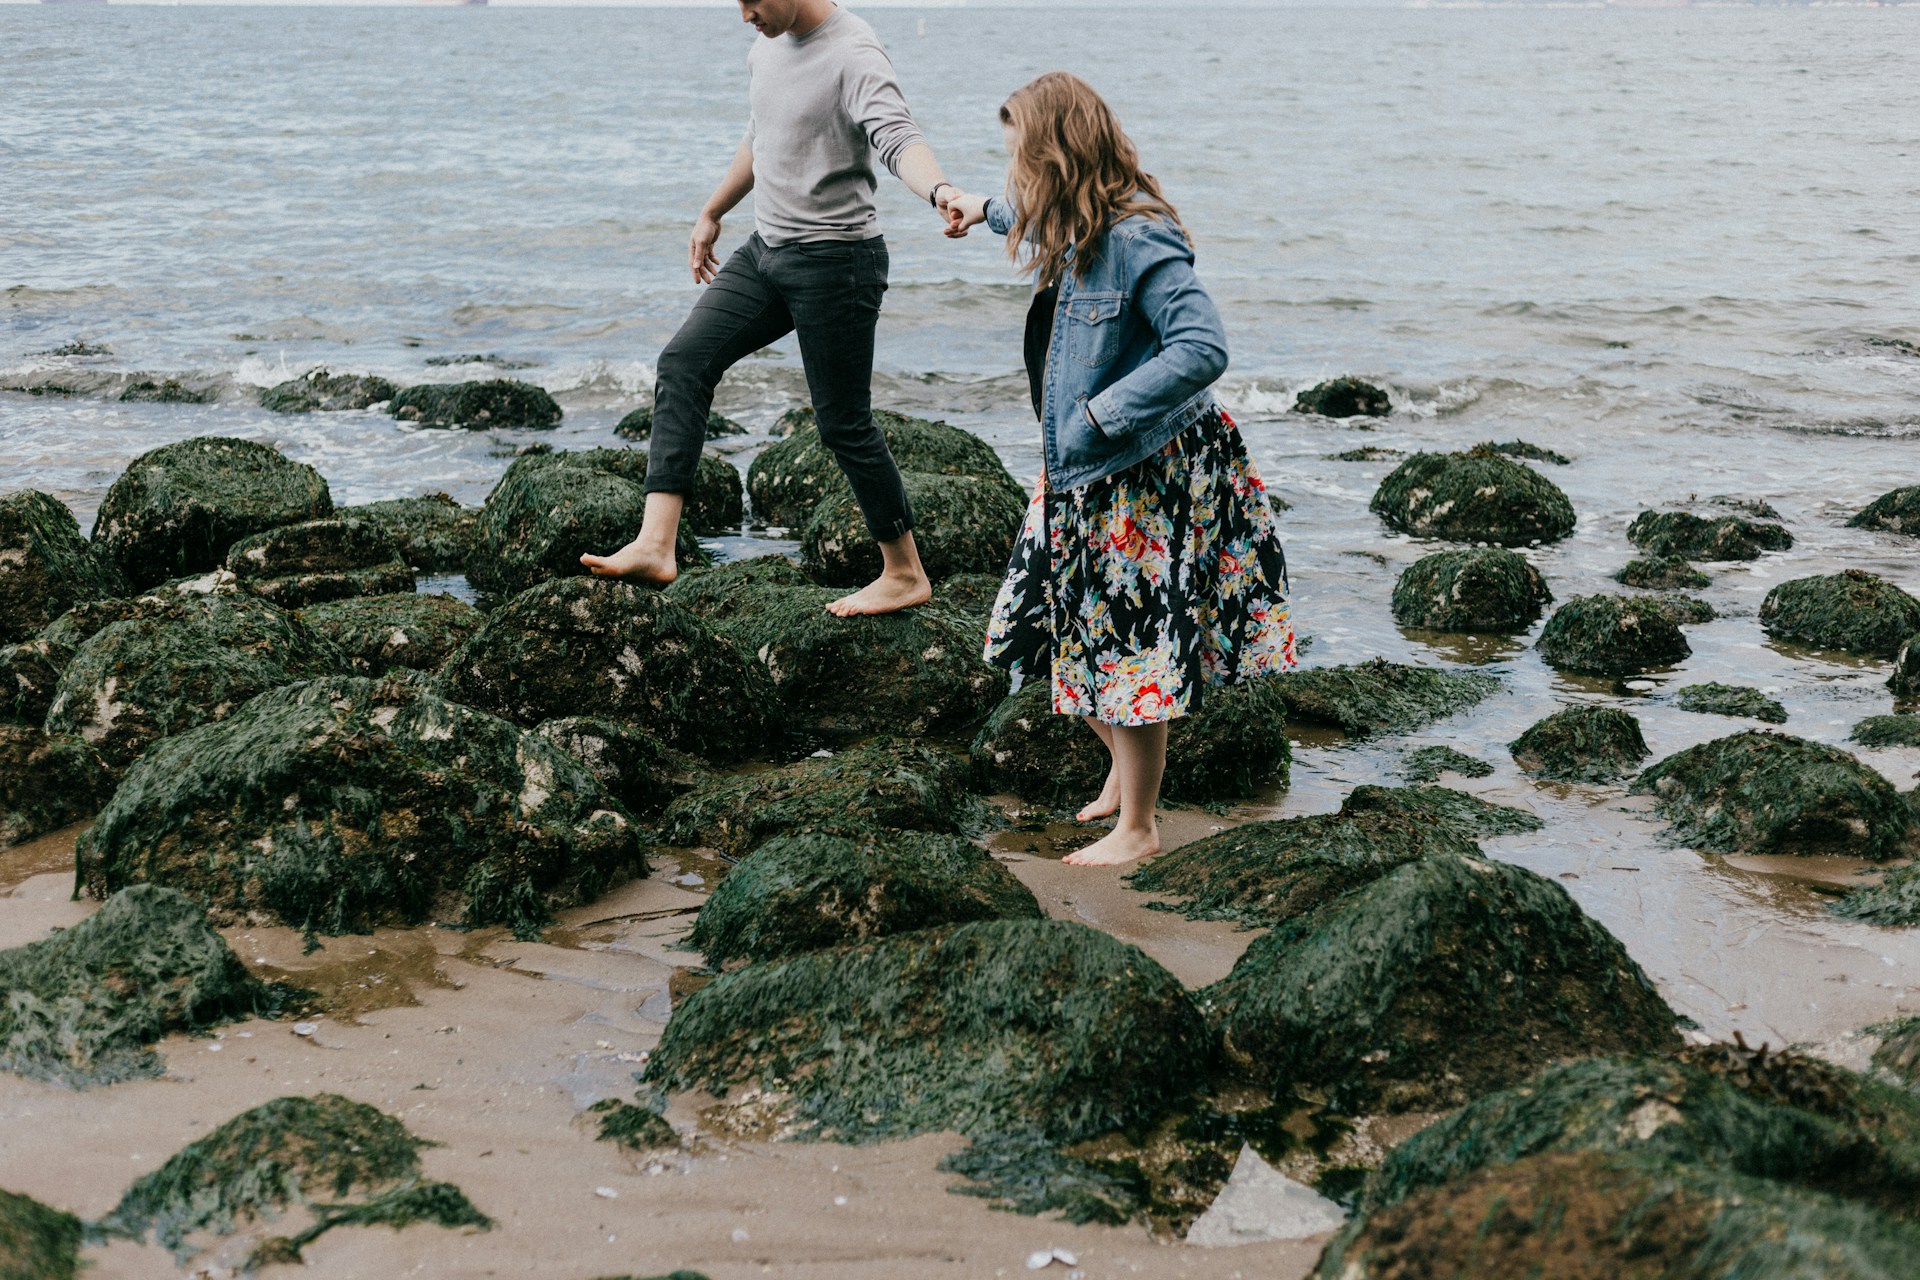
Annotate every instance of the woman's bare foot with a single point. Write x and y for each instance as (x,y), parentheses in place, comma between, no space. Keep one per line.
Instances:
(635,560)
(888,593)
(1107,805)
(1122,845)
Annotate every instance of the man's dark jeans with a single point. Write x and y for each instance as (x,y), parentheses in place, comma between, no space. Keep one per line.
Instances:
(827,291)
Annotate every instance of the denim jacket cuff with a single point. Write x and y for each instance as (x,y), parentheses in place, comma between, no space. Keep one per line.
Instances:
(1107,416)
(999,215)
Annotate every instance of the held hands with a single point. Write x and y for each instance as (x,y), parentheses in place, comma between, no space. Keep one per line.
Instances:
(962,210)
(700,254)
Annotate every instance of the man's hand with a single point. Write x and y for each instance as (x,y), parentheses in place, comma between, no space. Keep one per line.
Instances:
(700,255)
(963,211)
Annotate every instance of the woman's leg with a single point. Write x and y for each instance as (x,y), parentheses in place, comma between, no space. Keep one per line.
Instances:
(1140,758)
(1109,802)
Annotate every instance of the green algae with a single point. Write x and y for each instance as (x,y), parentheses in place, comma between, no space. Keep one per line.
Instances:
(623,650)
(1378,696)
(791,477)
(1426,764)
(1686,536)
(638,425)
(1682,610)
(1887,731)
(324,391)
(1344,398)
(380,633)
(1581,744)
(1441,806)
(1897,511)
(166,391)
(175,510)
(1367,453)
(439,1203)
(1662,573)
(83,1006)
(317,561)
(1003,1026)
(36,1242)
(497,404)
(1762,792)
(1714,698)
(804,893)
(46,567)
(636,1128)
(1894,901)
(969,596)
(1853,611)
(1483,589)
(1611,635)
(1473,497)
(47,782)
(899,786)
(435,533)
(961,524)
(1523,449)
(635,767)
(341,804)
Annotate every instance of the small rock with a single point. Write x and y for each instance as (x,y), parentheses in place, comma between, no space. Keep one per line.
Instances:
(1260,1203)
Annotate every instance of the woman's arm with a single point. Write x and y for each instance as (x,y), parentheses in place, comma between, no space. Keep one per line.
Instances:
(1193,343)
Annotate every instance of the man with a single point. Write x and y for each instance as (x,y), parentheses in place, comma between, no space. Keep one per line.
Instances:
(825,102)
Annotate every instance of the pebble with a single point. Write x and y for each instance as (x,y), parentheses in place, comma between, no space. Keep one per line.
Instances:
(305,1028)
(606,1193)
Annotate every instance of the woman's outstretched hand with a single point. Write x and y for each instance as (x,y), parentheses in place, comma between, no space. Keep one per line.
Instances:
(963,210)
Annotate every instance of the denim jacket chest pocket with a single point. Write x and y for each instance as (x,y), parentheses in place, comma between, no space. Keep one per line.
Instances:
(1095,321)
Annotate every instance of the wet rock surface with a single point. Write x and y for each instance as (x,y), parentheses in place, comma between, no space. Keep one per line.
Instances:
(164,391)
(434,532)
(638,425)
(1719,699)
(1687,536)
(1897,511)
(46,567)
(378,633)
(962,524)
(47,782)
(622,650)
(1473,497)
(1378,696)
(1525,450)
(319,560)
(1344,398)
(175,510)
(336,805)
(324,391)
(635,767)
(1612,635)
(499,404)
(789,479)
(1905,680)
(1854,611)
(1485,589)
(1662,573)
(1581,744)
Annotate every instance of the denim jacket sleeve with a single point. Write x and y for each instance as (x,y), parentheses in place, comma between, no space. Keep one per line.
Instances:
(1193,343)
(999,215)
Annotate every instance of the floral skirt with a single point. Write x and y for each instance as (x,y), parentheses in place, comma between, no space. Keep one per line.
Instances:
(1137,591)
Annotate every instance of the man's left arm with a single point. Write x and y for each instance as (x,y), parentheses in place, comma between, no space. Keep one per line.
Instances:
(874,100)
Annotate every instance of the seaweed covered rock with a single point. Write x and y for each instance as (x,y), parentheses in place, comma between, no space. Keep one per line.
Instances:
(635,767)
(345,1162)
(1441,807)
(789,479)
(165,391)
(1762,792)
(1524,449)
(435,533)
(1896,512)
(1854,611)
(880,786)
(1473,497)
(638,425)
(1662,573)
(1611,636)
(1905,680)
(622,650)
(1234,748)
(1679,609)
(181,663)
(1002,1026)
(1377,696)
(550,507)
(29,673)
(36,1242)
(804,893)
(1446,977)
(1714,698)
(1344,398)
(970,596)
(46,567)
(1685,536)
(1581,744)
(913,672)
(1426,764)
(317,561)
(175,510)
(341,804)
(378,633)
(1887,731)
(498,404)
(1893,902)
(47,782)
(1484,589)
(961,524)
(324,391)
(83,1006)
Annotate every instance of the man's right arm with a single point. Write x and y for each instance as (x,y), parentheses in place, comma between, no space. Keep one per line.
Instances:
(732,190)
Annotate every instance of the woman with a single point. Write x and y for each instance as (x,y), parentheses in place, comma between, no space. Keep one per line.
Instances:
(1149,567)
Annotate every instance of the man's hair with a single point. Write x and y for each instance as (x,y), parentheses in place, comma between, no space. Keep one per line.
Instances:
(1074,174)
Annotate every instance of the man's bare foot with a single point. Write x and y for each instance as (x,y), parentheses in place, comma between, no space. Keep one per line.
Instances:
(1107,805)
(635,561)
(888,593)
(1118,846)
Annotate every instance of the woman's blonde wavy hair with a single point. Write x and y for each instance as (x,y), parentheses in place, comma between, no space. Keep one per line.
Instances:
(1074,174)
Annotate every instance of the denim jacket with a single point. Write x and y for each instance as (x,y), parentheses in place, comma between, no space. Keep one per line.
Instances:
(1136,346)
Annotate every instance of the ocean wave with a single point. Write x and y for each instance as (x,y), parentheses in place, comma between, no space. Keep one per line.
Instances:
(1869,428)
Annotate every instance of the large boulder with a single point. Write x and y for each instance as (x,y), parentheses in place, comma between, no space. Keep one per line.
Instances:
(1344,398)
(636,768)
(804,893)
(1761,792)
(1483,589)
(638,425)
(1377,696)
(47,782)
(1662,573)
(961,524)
(498,404)
(1611,636)
(1687,536)
(1714,698)
(789,479)
(37,1242)
(1003,1026)
(46,567)
(435,533)
(378,633)
(1526,449)
(883,786)
(914,672)
(1446,977)
(317,561)
(1896,512)
(323,391)
(175,510)
(1233,749)
(1853,611)
(1473,497)
(620,650)
(338,805)
(1581,744)
(165,671)
(83,1006)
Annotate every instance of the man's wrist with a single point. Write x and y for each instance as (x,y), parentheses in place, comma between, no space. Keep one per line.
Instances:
(933,192)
